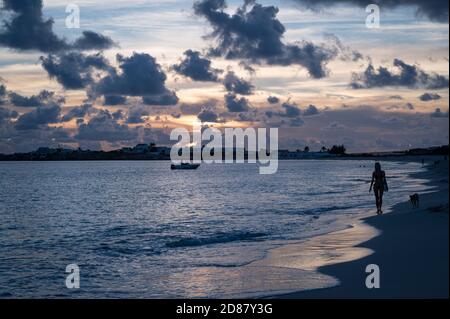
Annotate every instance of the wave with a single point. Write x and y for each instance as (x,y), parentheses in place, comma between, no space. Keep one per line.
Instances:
(326,209)
(220,238)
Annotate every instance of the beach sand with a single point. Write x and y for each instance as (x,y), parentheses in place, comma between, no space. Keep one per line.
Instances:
(410,246)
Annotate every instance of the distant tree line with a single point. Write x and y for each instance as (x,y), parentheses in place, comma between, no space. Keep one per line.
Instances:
(335,150)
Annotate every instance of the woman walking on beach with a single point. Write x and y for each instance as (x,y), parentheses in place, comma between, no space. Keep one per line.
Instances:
(379,185)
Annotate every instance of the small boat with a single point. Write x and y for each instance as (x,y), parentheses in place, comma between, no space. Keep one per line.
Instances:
(184,166)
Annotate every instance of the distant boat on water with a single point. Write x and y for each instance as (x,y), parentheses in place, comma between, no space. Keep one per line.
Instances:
(184,166)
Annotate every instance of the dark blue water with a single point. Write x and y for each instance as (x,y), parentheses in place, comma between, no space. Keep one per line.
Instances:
(138,229)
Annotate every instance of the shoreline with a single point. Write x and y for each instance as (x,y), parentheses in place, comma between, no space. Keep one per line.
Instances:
(410,246)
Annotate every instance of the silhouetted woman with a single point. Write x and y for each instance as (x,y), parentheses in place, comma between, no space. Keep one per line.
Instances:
(379,185)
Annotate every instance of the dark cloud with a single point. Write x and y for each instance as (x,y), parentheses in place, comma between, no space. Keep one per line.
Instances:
(237,85)
(118,115)
(39,117)
(6,114)
(44,98)
(77,112)
(93,41)
(435,10)
(439,114)
(112,100)
(74,70)
(13,140)
(2,91)
(136,114)
(103,127)
(235,104)
(140,75)
(2,94)
(208,116)
(197,68)
(273,100)
(247,117)
(247,67)
(169,98)
(407,75)
(311,110)
(291,110)
(27,29)
(254,34)
(427,97)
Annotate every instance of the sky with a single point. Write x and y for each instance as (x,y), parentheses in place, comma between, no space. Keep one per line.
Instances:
(136,69)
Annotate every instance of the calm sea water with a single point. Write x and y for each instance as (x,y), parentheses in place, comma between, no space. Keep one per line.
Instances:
(140,230)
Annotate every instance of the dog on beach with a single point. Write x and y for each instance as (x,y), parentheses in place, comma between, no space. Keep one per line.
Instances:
(414,199)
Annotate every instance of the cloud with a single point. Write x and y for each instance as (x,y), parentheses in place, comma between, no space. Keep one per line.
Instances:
(197,68)
(44,98)
(427,97)
(247,117)
(435,10)
(254,34)
(273,100)
(208,116)
(77,112)
(344,52)
(2,93)
(113,100)
(6,114)
(311,110)
(291,110)
(74,70)
(103,127)
(136,114)
(234,84)
(407,76)
(118,115)
(169,98)
(29,30)
(235,104)
(93,41)
(38,117)
(439,114)
(140,75)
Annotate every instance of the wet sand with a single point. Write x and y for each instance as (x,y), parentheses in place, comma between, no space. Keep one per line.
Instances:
(410,246)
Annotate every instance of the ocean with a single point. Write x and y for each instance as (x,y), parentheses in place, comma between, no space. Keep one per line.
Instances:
(140,230)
